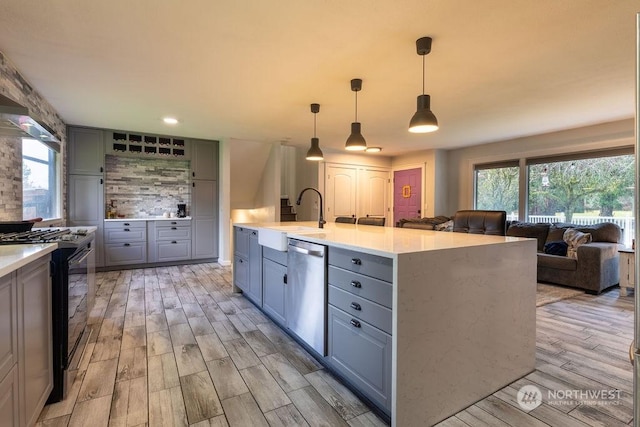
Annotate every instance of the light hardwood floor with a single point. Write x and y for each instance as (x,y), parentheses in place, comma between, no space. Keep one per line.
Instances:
(173,346)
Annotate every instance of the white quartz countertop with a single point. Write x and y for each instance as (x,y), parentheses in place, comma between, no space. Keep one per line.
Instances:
(384,241)
(13,257)
(151,218)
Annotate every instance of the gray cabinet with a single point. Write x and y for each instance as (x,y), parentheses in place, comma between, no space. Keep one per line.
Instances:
(204,199)
(125,242)
(360,321)
(169,240)
(9,399)
(8,325)
(86,183)
(274,280)
(86,151)
(247,263)
(204,163)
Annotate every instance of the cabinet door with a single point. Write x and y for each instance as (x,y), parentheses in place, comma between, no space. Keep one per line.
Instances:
(86,151)
(34,326)
(362,354)
(340,192)
(9,407)
(241,273)
(86,207)
(373,194)
(274,279)
(8,324)
(255,269)
(204,213)
(204,159)
(125,253)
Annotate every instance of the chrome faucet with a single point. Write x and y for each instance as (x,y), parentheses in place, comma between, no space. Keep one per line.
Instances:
(321,220)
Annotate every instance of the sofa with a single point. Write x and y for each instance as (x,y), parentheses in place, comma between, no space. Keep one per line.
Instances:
(426,223)
(595,267)
(480,222)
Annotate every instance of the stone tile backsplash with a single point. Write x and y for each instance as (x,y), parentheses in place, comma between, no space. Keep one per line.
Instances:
(10,179)
(144,188)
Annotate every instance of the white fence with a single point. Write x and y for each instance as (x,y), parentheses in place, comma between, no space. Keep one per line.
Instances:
(627,224)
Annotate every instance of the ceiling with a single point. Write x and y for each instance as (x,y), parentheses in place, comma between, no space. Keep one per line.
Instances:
(248,69)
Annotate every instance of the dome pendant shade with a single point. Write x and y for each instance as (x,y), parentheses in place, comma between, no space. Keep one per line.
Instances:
(423,120)
(356,141)
(315,153)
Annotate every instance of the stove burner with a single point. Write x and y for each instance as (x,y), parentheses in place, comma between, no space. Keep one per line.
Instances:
(36,236)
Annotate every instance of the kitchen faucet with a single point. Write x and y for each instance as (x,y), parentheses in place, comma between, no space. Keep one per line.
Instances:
(321,220)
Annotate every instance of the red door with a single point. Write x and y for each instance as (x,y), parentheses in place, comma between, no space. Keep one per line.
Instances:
(407,194)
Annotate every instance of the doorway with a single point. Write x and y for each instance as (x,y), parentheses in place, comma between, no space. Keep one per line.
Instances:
(407,194)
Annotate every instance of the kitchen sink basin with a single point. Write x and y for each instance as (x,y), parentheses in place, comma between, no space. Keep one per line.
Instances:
(276,237)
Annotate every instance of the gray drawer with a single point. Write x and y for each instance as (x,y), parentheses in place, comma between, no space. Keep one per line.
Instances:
(125,224)
(361,354)
(173,233)
(274,255)
(125,253)
(174,250)
(358,262)
(364,286)
(125,235)
(241,241)
(361,308)
(169,224)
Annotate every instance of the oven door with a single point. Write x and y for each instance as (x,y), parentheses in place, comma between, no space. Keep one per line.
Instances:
(80,265)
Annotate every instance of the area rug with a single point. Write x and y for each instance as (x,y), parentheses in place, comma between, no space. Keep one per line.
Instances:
(546,294)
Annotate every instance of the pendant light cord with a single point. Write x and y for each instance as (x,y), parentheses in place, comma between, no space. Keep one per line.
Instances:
(356,105)
(423,73)
(314,125)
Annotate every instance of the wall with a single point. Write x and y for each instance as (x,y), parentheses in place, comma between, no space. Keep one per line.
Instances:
(307,175)
(224,198)
(16,87)
(459,175)
(267,200)
(144,188)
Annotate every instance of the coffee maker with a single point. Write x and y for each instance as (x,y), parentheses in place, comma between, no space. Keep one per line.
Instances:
(182,210)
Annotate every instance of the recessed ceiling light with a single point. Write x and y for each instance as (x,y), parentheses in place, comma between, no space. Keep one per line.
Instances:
(373,149)
(170,121)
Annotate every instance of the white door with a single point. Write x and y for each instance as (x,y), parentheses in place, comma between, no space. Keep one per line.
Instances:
(374,192)
(340,192)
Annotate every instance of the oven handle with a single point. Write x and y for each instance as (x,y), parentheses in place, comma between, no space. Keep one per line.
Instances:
(81,256)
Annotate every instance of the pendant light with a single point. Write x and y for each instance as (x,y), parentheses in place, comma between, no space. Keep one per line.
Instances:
(423,120)
(356,141)
(315,153)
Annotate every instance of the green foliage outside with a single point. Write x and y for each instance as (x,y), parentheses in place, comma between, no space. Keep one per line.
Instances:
(599,186)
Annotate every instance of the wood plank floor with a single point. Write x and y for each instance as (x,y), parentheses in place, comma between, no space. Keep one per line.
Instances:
(173,346)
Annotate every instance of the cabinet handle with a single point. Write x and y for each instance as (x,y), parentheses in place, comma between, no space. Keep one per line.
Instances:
(174,228)
(241,261)
(356,284)
(101,181)
(173,242)
(356,261)
(356,306)
(101,169)
(126,223)
(126,229)
(127,244)
(355,323)
(284,279)
(193,174)
(193,184)
(173,222)
(254,233)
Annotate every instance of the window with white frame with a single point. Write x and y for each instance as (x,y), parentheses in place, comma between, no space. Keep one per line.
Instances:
(496,187)
(40,180)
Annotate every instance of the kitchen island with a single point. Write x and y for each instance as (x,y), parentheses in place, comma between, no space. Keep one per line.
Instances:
(452,315)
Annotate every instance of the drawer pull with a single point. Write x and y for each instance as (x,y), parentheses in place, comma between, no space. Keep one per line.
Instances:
(241,261)
(127,244)
(173,242)
(126,223)
(356,284)
(284,279)
(356,306)
(355,323)
(126,229)
(254,233)
(174,228)
(356,261)
(174,223)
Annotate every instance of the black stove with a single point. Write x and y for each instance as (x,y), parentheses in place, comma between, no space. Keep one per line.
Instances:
(66,236)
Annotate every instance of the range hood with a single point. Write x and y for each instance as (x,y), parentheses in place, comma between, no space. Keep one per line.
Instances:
(17,120)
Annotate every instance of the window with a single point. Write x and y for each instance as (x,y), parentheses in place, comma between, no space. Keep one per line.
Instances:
(496,187)
(40,180)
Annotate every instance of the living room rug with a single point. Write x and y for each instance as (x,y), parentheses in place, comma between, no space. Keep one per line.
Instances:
(546,293)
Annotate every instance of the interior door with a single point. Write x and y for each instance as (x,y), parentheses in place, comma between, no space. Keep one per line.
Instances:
(340,192)
(407,193)
(374,187)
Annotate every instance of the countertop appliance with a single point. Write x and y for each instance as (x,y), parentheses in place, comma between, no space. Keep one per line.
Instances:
(72,272)
(306,293)
(182,210)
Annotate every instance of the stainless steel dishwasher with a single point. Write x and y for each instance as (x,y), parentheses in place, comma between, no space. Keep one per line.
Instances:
(306,293)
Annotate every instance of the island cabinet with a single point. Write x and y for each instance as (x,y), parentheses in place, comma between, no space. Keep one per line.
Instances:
(125,242)
(360,321)
(26,370)
(168,241)
(247,263)
(274,280)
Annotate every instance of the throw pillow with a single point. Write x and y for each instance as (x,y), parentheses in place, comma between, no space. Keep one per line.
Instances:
(575,239)
(559,247)
(445,226)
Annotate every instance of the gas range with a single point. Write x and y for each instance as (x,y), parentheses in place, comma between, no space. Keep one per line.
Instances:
(65,237)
